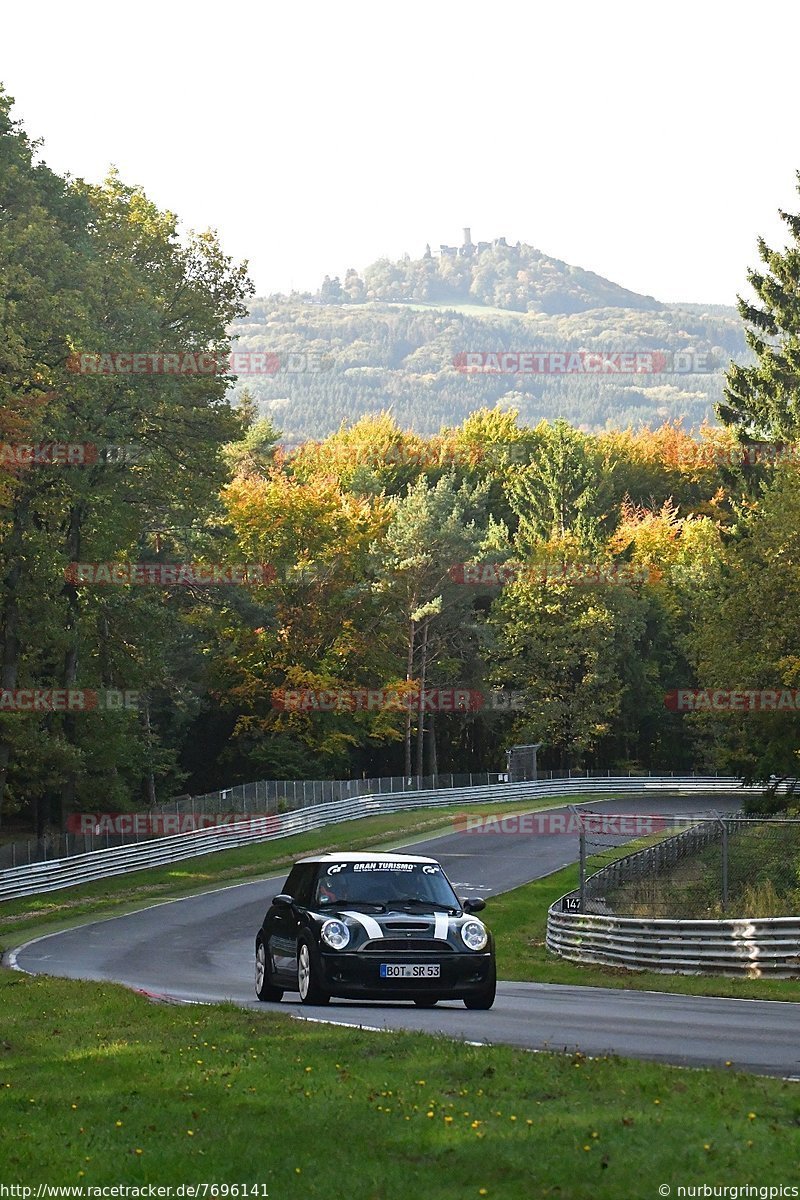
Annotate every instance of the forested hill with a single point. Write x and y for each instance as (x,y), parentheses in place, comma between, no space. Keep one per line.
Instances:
(519,278)
(388,339)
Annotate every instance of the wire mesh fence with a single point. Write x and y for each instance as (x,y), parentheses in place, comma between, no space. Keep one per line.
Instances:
(689,867)
(265,797)
(185,813)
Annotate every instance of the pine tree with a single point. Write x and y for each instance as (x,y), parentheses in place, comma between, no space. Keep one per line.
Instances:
(763,400)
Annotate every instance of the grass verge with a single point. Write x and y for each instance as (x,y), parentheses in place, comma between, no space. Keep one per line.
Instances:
(99,1087)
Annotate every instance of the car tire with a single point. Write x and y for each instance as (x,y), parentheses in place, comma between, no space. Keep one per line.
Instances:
(264,989)
(426,1001)
(485,997)
(307,983)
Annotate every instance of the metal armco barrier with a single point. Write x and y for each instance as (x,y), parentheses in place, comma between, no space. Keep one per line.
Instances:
(99,864)
(739,947)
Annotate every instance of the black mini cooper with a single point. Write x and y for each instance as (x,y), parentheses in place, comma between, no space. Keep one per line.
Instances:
(374,927)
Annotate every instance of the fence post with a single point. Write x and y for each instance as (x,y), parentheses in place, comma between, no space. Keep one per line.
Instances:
(581,855)
(724,865)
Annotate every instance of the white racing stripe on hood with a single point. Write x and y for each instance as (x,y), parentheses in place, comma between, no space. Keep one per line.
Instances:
(442,926)
(369,924)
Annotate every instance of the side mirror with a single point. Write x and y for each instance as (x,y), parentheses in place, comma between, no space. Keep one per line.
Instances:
(473,906)
(283,901)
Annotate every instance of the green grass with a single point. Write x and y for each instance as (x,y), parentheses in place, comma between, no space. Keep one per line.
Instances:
(470,310)
(51,910)
(100,1087)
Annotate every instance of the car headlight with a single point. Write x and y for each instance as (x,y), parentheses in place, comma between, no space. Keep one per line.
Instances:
(335,934)
(474,935)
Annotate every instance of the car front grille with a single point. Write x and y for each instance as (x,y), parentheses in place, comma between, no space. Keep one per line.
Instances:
(406,926)
(407,945)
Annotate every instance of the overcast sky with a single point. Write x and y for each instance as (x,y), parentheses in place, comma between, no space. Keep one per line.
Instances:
(648,142)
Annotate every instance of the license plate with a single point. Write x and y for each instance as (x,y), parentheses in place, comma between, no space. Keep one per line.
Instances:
(410,970)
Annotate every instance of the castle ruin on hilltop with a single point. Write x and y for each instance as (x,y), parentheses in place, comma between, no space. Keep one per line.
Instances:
(469,247)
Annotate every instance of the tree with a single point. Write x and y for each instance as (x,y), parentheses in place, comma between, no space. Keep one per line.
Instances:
(556,644)
(762,400)
(42,278)
(254,453)
(755,586)
(432,527)
(318,624)
(564,488)
(99,269)
(247,408)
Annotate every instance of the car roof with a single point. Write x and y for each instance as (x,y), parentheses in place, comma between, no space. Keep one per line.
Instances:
(357,856)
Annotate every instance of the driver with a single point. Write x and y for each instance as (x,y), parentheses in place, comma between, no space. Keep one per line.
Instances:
(332,890)
(325,892)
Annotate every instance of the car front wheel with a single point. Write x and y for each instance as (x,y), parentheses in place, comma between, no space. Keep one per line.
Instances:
(264,989)
(485,997)
(307,983)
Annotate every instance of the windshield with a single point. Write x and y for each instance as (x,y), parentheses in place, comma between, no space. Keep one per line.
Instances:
(383,883)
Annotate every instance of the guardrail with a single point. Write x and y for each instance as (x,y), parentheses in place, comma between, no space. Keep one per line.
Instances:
(99,864)
(739,947)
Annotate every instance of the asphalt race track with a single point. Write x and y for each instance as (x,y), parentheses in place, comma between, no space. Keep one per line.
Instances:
(200,949)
